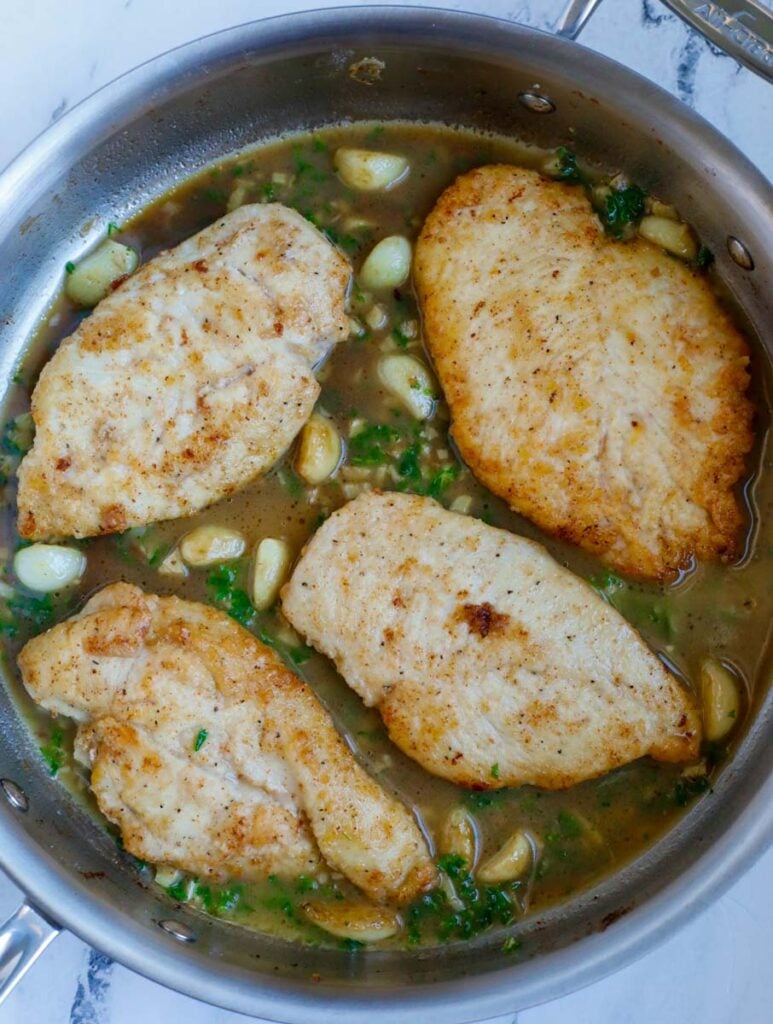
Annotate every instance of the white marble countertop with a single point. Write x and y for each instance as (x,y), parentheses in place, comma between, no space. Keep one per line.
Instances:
(53,54)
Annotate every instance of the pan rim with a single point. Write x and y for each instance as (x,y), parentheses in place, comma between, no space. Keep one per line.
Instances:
(50,884)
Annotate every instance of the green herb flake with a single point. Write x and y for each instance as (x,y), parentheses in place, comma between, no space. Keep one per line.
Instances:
(300,654)
(69,267)
(401,339)
(685,789)
(408,465)
(201,739)
(112,229)
(37,611)
(566,161)
(511,944)
(53,752)
(366,447)
(221,583)
(441,481)
(180,890)
(569,826)
(495,771)
(705,258)
(621,207)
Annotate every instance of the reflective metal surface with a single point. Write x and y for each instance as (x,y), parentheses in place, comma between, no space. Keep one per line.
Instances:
(126,145)
(23,937)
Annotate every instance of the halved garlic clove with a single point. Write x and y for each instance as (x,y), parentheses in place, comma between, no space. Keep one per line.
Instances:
(319,450)
(207,545)
(458,836)
(721,700)
(388,264)
(511,861)
(91,279)
(671,235)
(410,382)
(48,567)
(361,921)
(367,170)
(270,568)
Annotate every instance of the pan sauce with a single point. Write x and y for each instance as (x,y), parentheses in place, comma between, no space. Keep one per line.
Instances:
(718,611)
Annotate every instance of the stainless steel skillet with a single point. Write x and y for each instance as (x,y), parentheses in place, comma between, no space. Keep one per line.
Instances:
(128,144)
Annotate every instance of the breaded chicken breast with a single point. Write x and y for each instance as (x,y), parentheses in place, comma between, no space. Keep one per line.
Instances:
(210,755)
(597,386)
(490,663)
(188,381)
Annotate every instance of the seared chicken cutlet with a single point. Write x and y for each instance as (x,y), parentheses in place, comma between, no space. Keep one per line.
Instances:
(188,381)
(597,386)
(479,650)
(210,755)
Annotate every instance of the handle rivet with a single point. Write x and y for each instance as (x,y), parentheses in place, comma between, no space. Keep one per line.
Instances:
(739,253)
(536,102)
(178,930)
(15,795)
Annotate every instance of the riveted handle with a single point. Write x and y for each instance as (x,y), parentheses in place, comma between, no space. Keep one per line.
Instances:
(741,28)
(23,937)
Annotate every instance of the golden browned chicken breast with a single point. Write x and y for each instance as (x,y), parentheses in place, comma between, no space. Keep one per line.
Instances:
(188,381)
(597,386)
(210,755)
(490,664)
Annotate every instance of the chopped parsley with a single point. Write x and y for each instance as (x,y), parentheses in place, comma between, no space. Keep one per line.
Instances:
(366,448)
(400,338)
(495,771)
(566,165)
(69,267)
(511,944)
(622,206)
(705,258)
(36,611)
(53,751)
(201,739)
(18,434)
(442,480)
(483,905)
(224,590)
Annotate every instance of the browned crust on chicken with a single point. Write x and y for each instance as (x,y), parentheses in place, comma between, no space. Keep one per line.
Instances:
(273,789)
(597,386)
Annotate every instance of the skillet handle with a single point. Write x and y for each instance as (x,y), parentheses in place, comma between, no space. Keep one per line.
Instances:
(743,29)
(23,937)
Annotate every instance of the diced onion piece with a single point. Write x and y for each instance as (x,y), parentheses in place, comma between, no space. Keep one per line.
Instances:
(388,264)
(319,450)
(458,836)
(410,382)
(166,875)
(48,567)
(237,198)
(721,700)
(207,545)
(361,921)
(93,277)
(461,504)
(376,317)
(671,235)
(270,568)
(510,862)
(367,170)
(173,564)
